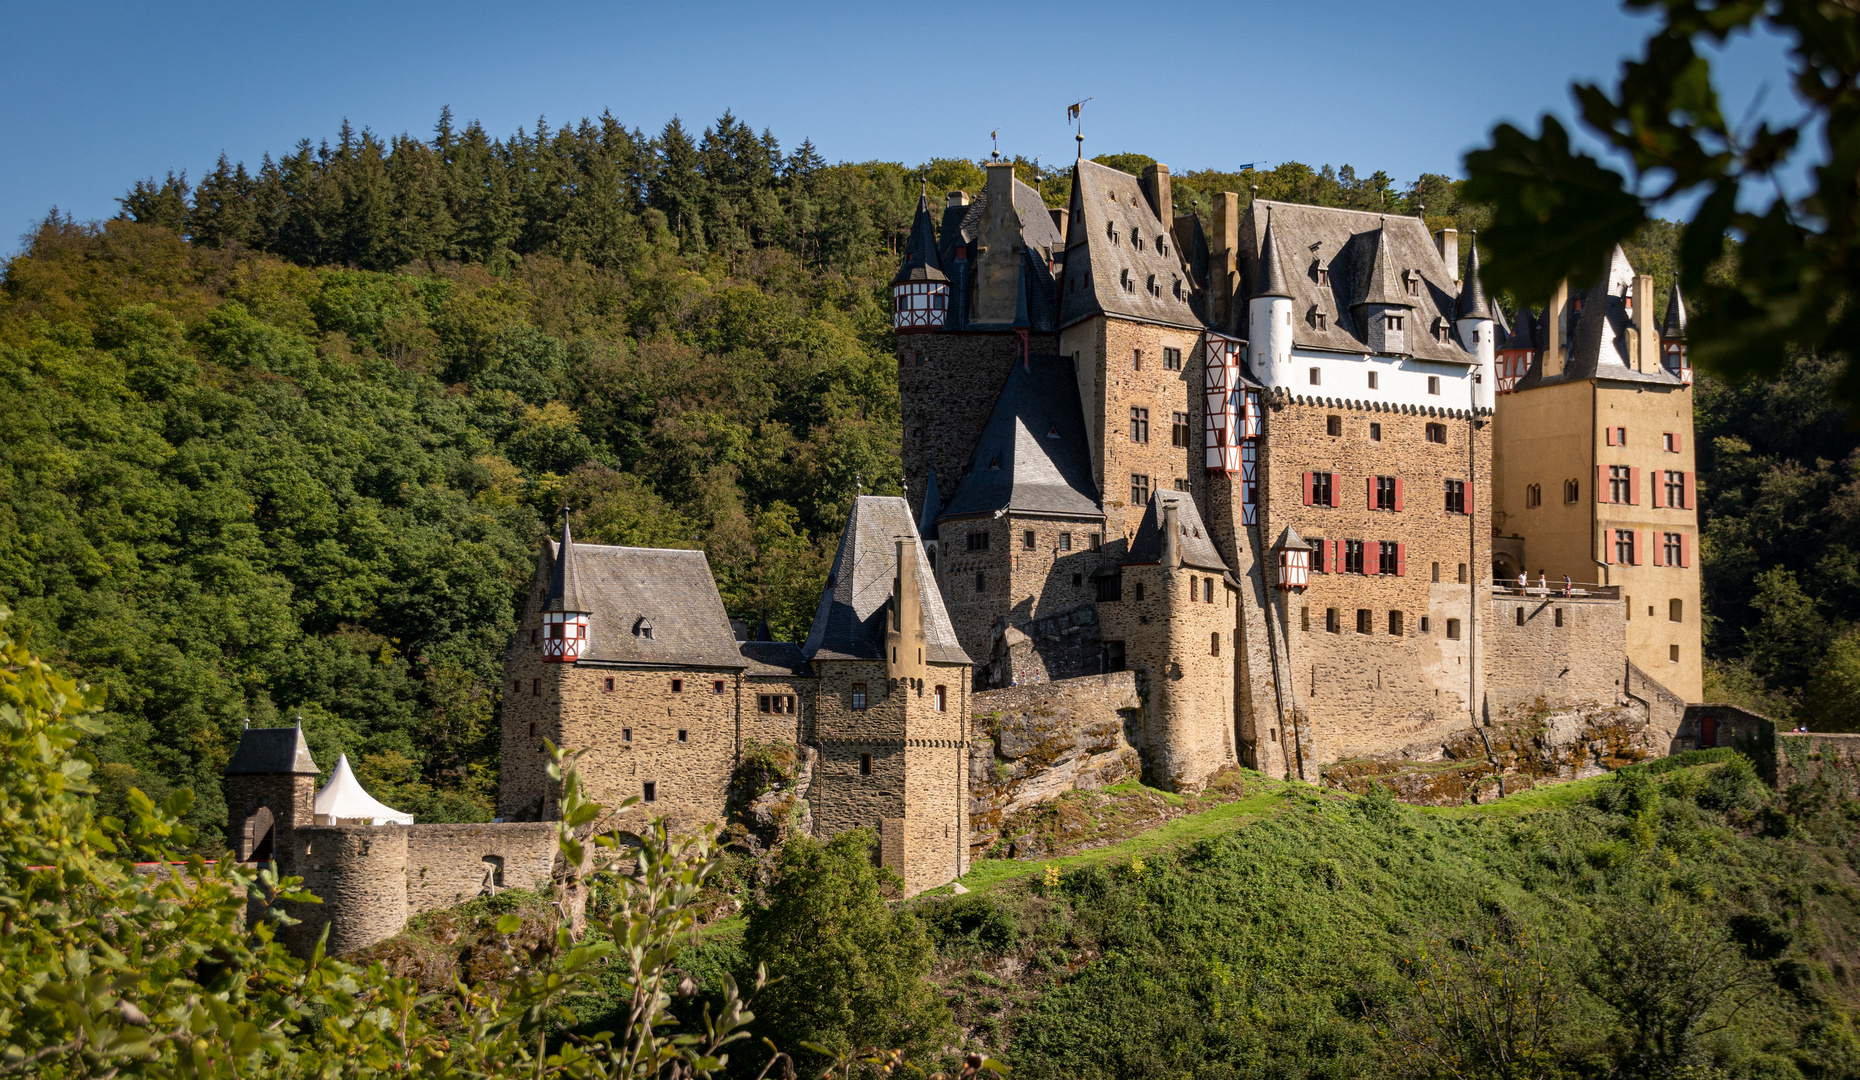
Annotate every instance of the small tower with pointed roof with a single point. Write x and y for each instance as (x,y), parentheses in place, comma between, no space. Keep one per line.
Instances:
(1477,330)
(1673,338)
(1383,306)
(565,614)
(270,791)
(920,291)
(1269,314)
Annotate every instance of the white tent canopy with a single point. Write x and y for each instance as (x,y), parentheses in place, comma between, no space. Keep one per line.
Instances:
(343,802)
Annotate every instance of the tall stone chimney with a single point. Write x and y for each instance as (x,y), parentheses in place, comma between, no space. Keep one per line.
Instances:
(998,250)
(1646,344)
(1223,261)
(1447,242)
(904,631)
(1155,185)
(1171,532)
(957,198)
(1556,334)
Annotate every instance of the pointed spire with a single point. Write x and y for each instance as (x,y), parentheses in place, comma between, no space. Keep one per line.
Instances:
(1381,284)
(1673,327)
(1271,265)
(1472,292)
(933,505)
(564,581)
(920,261)
(1523,334)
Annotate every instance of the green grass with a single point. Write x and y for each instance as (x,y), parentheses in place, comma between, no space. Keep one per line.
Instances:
(1538,799)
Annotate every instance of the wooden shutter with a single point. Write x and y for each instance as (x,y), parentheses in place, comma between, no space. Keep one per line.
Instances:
(1640,546)
(1608,546)
(1634,485)
(1601,493)
(1336,491)
(1336,556)
(1685,550)
(1678,442)
(1401,556)
(1372,492)
(1659,549)
(1685,492)
(1372,567)
(1307,489)
(1398,493)
(1611,436)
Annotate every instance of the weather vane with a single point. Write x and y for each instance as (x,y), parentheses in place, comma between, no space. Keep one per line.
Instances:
(1075,111)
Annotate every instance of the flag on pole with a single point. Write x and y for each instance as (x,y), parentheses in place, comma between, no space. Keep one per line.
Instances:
(1072,112)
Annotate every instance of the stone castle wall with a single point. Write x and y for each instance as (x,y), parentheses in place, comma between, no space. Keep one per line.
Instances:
(450,864)
(773,727)
(1551,649)
(1366,690)
(947,386)
(670,728)
(1182,649)
(360,874)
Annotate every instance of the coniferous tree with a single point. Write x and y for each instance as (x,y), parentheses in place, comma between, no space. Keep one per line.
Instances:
(224,213)
(678,186)
(163,204)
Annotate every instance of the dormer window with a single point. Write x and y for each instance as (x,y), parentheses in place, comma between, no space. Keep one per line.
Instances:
(1126,281)
(1178,287)
(1136,239)
(1321,273)
(1392,321)
(644,629)
(1155,289)
(1317,318)
(1414,283)
(1442,333)
(1110,230)
(1161,248)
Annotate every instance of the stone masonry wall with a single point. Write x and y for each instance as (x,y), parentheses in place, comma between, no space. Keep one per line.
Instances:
(1064,645)
(528,713)
(682,741)
(360,873)
(947,386)
(1553,650)
(974,611)
(450,864)
(1188,730)
(773,727)
(1107,352)
(1369,691)
(291,800)
(1034,743)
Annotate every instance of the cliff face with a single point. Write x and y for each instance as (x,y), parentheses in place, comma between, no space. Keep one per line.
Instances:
(1035,743)
(1478,764)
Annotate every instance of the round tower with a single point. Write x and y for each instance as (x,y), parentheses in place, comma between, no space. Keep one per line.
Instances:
(1477,329)
(1269,316)
(360,874)
(564,615)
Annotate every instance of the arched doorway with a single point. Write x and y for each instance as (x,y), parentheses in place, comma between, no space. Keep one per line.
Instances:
(255,841)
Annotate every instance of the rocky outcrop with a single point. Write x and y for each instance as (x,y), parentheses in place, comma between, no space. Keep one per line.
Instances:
(1478,764)
(1035,743)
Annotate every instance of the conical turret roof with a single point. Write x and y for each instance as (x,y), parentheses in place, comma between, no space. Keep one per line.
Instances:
(1673,327)
(1523,335)
(1472,293)
(933,505)
(920,259)
(564,581)
(1271,265)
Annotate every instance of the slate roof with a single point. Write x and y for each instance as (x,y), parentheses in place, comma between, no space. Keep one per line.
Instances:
(920,254)
(961,224)
(1033,455)
(1104,198)
(564,578)
(1192,537)
(624,588)
(1598,343)
(778,658)
(272,751)
(932,507)
(1349,244)
(849,623)
(1674,325)
(1472,290)
(1524,334)
(1271,265)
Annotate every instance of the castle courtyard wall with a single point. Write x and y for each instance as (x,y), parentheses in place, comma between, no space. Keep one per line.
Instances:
(450,864)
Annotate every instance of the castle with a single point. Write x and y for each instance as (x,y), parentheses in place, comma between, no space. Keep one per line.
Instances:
(1381,514)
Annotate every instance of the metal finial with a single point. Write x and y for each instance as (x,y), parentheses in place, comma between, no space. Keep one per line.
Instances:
(300,721)
(248,724)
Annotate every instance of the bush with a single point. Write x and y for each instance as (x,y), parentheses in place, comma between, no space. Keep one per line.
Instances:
(1732,784)
(975,922)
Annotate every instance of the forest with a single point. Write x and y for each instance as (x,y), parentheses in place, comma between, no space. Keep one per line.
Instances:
(282,441)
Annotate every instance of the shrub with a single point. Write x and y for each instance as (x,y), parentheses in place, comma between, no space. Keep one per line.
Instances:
(1732,784)
(975,922)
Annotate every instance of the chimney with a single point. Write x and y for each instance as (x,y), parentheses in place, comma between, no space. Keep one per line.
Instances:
(1447,241)
(1060,215)
(1646,339)
(1171,547)
(1155,185)
(998,251)
(957,198)
(1223,265)
(904,633)
(1557,332)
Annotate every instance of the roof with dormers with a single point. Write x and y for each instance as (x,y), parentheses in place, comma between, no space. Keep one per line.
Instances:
(1598,340)
(626,589)
(849,622)
(1361,253)
(1193,540)
(1113,263)
(1033,456)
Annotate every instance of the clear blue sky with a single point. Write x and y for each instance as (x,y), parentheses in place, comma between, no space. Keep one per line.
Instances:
(99,94)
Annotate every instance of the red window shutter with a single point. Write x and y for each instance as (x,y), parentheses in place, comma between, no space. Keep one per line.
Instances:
(1634,486)
(1640,546)
(1611,436)
(1401,559)
(1601,493)
(1398,493)
(1608,546)
(1372,558)
(1685,550)
(1685,492)
(1307,489)
(1659,545)
(1679,442)
(1336,492)
(1372,492)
